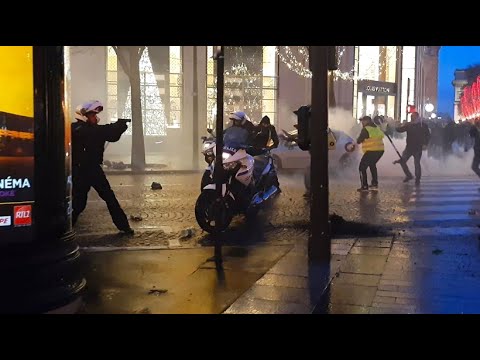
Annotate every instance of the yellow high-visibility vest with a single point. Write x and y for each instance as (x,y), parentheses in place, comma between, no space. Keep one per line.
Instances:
(374,141)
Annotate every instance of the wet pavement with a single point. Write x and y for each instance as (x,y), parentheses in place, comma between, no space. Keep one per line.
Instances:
(168,219)
(432,267)
(429,263)
(172,281)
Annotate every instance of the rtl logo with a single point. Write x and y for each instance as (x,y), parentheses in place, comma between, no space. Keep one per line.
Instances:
(22,215)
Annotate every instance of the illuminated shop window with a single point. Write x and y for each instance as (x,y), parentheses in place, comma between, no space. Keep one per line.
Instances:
(251,82)
(374,63)
(391,63)
(408,72)
(369,62)
(161,87)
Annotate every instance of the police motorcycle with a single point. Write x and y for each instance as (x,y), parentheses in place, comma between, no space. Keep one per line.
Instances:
(208,152)
(248,182)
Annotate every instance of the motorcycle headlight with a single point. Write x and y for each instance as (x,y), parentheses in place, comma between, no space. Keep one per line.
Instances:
(209,157)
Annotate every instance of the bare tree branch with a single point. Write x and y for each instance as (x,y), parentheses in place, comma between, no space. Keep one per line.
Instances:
(140,51)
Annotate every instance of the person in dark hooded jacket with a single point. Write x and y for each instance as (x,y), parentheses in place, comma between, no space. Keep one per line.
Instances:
(266,135)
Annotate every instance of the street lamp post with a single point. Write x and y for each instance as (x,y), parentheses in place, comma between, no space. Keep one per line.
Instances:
(219,53)
(319,240)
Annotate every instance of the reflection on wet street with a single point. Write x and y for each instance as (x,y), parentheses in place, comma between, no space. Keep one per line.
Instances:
(429,266)
(427,262)
(173,281)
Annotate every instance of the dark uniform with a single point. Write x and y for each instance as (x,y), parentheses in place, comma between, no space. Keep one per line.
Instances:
(241,132)
(418,137)
(266,135)
(88,145)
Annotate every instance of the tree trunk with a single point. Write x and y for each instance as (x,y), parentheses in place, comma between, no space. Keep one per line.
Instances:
(129,58)
(160,60)
(138,142)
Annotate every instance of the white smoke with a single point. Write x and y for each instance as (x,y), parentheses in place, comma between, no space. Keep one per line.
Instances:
(456,164)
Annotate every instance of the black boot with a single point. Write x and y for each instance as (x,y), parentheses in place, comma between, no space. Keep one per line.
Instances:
(363,183)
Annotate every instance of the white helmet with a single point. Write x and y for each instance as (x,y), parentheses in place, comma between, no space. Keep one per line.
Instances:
(239,117)
(78,113)
(91,106)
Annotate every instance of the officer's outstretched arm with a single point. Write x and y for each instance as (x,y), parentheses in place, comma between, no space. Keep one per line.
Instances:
(113,132)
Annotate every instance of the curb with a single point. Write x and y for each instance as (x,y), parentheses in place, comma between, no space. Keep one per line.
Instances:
(148,172)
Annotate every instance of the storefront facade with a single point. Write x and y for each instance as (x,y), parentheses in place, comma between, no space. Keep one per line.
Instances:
(178,87)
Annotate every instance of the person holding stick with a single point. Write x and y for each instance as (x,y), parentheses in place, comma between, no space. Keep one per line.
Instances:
(418,136)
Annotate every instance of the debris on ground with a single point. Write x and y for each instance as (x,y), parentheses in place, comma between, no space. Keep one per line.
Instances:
(340,226)
(118,165)
(437,252)
(187,233)
(157,292)
(135,218)
(156,186)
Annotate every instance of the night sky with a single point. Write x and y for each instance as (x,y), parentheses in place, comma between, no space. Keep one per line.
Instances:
(450,59)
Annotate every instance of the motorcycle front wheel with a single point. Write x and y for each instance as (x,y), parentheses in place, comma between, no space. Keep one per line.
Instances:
(212,214)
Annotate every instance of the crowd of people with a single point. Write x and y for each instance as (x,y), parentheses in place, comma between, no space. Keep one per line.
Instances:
(438,138)
(446,137)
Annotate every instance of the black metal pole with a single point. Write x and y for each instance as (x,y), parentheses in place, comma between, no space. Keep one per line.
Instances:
(43,274)
(218,172)
(319,240)
(195,111)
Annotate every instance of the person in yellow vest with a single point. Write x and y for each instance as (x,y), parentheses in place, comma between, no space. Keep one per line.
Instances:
(371,138)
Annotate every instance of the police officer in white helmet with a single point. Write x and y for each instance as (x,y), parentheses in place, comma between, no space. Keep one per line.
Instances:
(88,144)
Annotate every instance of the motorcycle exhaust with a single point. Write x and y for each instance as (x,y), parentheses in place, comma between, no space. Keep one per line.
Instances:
(269,193)
(258,199)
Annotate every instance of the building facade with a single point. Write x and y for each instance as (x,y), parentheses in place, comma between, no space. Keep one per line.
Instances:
(459,82)
(386,79)
(178,87)
(427,79)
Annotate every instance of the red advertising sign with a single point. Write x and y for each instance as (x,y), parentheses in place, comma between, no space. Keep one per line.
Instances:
(22,215)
